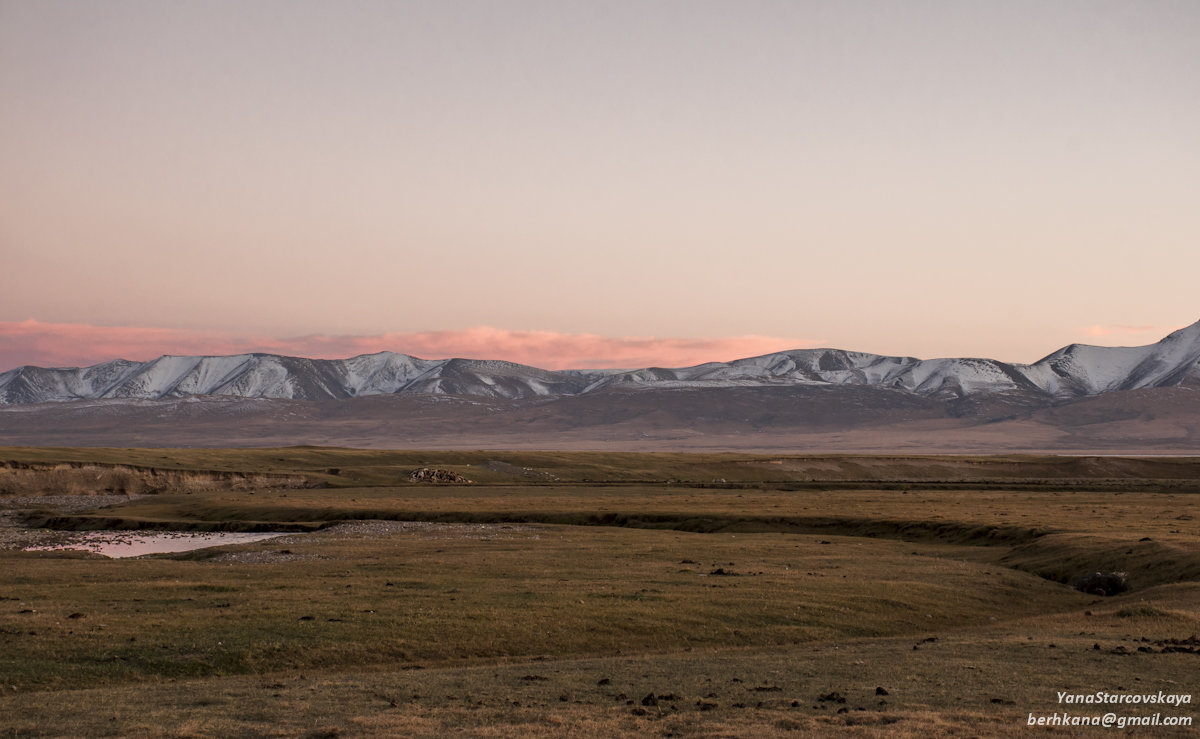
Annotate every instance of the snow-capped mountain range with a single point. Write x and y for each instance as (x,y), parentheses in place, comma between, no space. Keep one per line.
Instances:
(1074,371)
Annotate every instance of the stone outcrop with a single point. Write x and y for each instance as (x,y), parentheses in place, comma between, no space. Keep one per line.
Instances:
(1101,583)
(428,474)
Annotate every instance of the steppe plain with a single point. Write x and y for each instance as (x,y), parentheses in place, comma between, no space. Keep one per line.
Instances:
(594,593)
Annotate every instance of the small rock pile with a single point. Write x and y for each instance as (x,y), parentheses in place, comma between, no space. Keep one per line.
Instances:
(1101,583)
(428,474)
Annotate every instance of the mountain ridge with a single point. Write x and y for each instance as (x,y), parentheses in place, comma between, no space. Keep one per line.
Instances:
(1076,370)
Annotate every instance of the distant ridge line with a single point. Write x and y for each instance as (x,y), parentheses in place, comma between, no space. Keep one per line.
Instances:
(1076,370)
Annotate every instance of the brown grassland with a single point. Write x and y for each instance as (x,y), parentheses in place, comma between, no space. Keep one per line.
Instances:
(595,594)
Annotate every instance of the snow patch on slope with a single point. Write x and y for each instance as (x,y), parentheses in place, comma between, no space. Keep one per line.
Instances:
(1071,371)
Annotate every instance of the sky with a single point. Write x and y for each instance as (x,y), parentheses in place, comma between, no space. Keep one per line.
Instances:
(595,184)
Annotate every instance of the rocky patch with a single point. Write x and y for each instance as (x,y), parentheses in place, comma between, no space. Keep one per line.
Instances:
(429,474)
(1101,583)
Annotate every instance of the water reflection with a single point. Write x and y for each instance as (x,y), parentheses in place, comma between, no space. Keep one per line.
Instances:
(127,544)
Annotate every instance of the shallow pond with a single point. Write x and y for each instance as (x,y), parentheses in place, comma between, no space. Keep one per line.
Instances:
(129,544)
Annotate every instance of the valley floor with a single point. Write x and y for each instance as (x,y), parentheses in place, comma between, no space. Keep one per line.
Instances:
(600,595)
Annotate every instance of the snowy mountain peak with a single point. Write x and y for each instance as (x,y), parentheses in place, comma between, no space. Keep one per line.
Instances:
(1189,334)
(1075,370)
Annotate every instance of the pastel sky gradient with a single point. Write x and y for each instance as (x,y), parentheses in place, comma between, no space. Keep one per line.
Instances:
(617,183)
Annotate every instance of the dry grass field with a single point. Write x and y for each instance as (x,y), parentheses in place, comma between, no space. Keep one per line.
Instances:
(595,594)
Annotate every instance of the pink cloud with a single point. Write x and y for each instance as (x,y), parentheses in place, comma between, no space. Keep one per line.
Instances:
(1102,331)
(77,345)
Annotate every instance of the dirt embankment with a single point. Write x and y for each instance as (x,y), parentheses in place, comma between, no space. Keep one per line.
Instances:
(89,478)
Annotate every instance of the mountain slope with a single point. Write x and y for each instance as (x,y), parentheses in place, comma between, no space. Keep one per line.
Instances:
(1073,371)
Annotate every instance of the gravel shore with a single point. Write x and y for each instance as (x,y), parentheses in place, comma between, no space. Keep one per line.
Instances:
(14,535)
